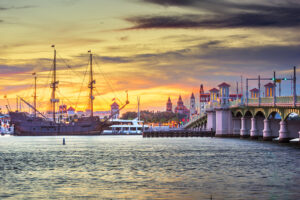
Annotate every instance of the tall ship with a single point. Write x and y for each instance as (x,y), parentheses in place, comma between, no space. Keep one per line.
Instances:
(39,125)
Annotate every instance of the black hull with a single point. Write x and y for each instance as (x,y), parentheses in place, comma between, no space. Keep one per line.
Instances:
(59,134)
(27,126)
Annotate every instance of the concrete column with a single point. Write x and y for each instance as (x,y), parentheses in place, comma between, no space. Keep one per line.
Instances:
(222,129)
(236,126)
(211,120)
(253,131)
(283,132)
(267,133)
(244,131)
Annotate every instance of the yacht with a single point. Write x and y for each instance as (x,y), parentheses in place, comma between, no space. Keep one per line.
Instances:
(5,127)
(126,127)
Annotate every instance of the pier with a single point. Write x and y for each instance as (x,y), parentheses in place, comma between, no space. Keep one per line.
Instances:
(178,133)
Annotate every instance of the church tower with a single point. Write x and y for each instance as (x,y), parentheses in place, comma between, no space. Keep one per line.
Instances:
(192,106)
(201,89)
(169,105)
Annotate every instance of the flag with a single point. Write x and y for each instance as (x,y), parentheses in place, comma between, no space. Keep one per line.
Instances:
(33,73)
(5,96)
(113,99)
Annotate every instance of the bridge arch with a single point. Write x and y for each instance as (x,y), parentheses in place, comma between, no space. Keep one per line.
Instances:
(238,113)
(288,112)
(260,111)
(248,113)
(274,110)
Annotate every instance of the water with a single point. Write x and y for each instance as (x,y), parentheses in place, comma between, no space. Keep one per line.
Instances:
(132,167)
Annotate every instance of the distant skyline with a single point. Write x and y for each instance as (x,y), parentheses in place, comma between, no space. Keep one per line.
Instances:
(152,48)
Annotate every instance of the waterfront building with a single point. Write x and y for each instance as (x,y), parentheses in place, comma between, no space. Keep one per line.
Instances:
(102,114)
(71,111)
(204,98)
(254,93)
(224,93)
(180,108)
(62,108)
(80,113)
(193,110)
(169,105)
(214,95)
(269,89)
(233,97)
(115,111)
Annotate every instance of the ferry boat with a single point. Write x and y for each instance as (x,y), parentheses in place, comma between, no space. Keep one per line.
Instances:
(126,127)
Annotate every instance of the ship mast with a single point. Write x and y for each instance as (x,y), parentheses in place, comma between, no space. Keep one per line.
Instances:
(53,85)
(34,96)
(91,84)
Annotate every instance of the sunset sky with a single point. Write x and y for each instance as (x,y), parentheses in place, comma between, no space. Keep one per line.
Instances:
(152,48)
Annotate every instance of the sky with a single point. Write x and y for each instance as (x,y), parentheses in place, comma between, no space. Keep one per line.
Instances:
(151,48)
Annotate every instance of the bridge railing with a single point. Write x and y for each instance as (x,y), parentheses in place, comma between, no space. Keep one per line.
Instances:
(267,100)
(253,101)
(285,100)
(235,103)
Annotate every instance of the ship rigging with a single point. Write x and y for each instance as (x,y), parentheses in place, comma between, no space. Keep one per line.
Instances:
(34,125)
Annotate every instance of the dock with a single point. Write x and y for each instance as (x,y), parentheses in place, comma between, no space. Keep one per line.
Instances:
(178,133)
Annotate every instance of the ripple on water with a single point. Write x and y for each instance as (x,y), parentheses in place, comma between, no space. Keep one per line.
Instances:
(146,168)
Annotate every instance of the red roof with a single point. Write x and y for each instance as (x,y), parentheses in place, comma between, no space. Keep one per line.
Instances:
(270,85)
(214,90)
(205,94)
(234,95)
(71,109)
(224,85)
(254,90)
(114,104)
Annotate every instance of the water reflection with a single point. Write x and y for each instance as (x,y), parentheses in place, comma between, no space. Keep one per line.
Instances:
(132,167)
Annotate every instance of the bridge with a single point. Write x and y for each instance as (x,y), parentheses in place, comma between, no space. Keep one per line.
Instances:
(257,117)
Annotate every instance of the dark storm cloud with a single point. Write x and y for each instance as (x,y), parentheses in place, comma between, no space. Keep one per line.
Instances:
(222,14)
(225,5)
(275,55)
(212,53)
(278,19)
(173,2)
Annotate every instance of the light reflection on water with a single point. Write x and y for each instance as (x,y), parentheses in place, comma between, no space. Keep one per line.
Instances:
(132,167)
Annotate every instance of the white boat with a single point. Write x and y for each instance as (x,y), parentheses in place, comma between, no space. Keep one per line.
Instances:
(126,127)
(5,127)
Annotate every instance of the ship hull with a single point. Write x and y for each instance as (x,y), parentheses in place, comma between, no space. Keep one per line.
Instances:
(27,126)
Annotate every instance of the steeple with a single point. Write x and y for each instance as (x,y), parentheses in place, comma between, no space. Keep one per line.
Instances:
(169,105)
(192,106)
(201,89)
(179,102)
(192,96)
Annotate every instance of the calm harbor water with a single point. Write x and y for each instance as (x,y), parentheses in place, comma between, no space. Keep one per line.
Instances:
(132,167)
